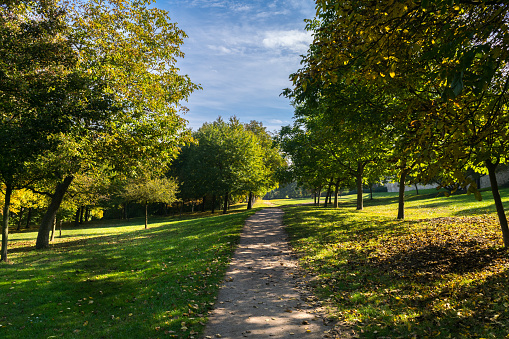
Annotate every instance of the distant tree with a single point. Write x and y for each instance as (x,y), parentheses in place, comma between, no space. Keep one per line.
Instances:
(228,159)
(146,191)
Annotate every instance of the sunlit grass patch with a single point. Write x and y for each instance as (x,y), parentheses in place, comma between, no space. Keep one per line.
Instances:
(118,281)
(442,272)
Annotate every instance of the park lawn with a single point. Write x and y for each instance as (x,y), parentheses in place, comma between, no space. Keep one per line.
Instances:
(113,279)
(441,273)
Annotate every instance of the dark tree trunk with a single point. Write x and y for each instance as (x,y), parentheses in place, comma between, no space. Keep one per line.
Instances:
(327,196)
(225,205)
(77,217)
(370,191)
(87,213)
(46,223)
(213,203)
(5,222)
(336,191)
(498,202)
(53,229)
(20,217)
(360,173)
(60,229)
(401,198)
(203,204)
(416,189)
(319,196)
(250,201)
(29,217)
(146,215)
(82,214)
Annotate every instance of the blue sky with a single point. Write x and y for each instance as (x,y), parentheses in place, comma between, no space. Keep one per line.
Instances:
(241,53)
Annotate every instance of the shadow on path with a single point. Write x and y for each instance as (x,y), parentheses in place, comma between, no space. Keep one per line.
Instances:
(259,297)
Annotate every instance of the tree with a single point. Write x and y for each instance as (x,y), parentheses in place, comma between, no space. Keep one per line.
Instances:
(133,48)
(41,92)
(228,159)
(266,178)
(145,191)
(445,62)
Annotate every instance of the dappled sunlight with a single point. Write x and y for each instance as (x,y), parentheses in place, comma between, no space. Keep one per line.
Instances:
(435,274)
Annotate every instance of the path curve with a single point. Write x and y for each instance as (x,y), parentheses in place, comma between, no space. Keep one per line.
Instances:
(259,297)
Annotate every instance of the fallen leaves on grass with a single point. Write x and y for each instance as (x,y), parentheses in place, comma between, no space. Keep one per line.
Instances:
(444,246)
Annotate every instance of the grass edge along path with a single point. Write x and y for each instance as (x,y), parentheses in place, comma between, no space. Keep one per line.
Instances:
(152,283)
(425,277)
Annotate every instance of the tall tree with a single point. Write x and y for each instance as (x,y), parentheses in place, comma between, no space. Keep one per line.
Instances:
(41,91)
(133,47)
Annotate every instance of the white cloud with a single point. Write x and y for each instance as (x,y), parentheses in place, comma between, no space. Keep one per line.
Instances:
(294,40)
(220,49)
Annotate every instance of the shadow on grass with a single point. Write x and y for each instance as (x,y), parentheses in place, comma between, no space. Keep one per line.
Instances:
(141,284)
(441,277)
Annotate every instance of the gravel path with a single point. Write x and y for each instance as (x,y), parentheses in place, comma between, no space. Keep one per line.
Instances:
(260,297)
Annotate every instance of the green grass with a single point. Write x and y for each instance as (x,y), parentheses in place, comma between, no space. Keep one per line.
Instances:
(441,273)
(117,280)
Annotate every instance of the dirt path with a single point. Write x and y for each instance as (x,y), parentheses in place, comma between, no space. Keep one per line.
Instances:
(260,298)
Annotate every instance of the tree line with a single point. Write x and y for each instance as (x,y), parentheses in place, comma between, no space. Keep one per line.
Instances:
(413,91)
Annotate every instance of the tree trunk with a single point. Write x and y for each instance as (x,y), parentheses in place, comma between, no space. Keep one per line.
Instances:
(401,199)
(87,213)
(416,189)
(498,202)
(46,223)
(82,212)
(77,217)
(60,229)
(20,217)
(53,229)
(319,196)
(213,203)
(336,190)
(146,214)
(225,205)
(5,222)
(203,204)
(250,201)
(327,196)
(370,191)
(360,200)
(29,217)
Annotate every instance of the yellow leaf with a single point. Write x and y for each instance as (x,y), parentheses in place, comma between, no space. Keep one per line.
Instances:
(392,74)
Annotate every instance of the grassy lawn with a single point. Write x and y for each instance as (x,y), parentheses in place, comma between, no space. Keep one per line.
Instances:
(116,280)
(441,273)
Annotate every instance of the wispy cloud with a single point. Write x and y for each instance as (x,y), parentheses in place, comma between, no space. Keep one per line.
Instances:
(242,53)
(294,40)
